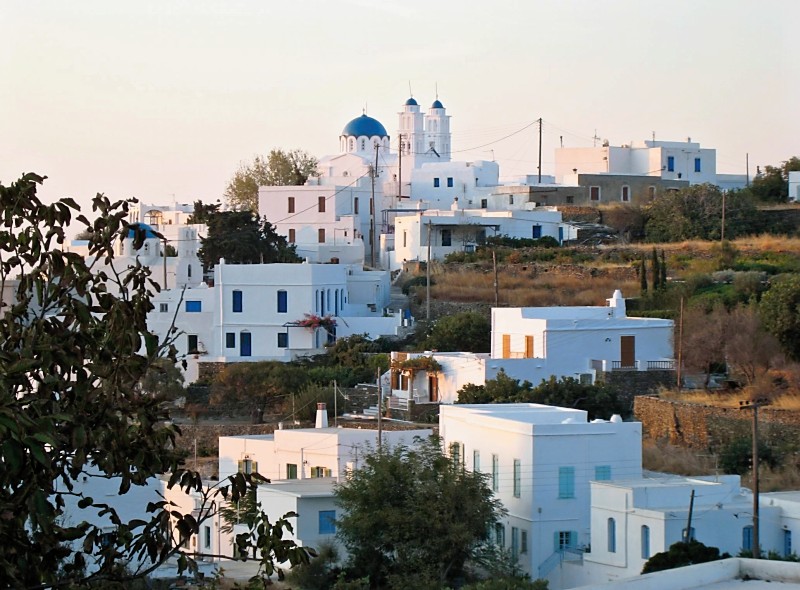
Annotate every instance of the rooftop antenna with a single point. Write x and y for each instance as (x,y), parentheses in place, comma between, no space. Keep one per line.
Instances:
(410,93)
(436,89)
(364,110)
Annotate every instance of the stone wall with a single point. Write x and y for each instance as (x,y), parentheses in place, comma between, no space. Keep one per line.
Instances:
(630,384)
(702,427)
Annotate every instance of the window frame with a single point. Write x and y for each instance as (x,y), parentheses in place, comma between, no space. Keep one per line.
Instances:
(283,339)
(193,306)
(237,301)
(326,524)
(290,205)
(436,182)
(517,478)
(321,204)
(230,339)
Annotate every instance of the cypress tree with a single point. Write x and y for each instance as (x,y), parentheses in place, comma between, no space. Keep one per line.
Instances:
(643,276)
(663,282)
(655,270)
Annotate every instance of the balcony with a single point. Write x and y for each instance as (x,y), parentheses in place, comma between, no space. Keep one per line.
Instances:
(638,365)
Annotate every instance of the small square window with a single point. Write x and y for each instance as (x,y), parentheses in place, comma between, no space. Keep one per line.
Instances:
(594,193)
(449,182)
(484,203)
(191,343)
(230,340)
(163,307)
(283,340)
(436,182)
(327,522)
(193,306)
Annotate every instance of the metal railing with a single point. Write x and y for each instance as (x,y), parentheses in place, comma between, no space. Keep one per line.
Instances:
(660,365)
(618,366)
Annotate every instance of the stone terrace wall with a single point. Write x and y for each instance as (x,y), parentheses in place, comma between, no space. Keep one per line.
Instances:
(702,427)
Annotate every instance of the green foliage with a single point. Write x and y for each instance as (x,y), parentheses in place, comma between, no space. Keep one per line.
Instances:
(780,313)
(163,378)
(598,400)
(682,554)
(695,213)
(771,186)
(242,238)
(73,358)
(279,168)
(349,361)
(726,254)
(202,212)
(508,583)
(737,456)
(413,511)
(243,511)
(321,573)
(467,331)
(543,242)
(256,386)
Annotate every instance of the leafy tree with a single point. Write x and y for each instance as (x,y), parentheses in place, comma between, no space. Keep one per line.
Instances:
(771,186)
(202,212)
(509,583)
(279,168)
(413,511)
(695,213)
(682,554)
(256,386)
(163,378)
(72,358)
(737,456)
(780,312)
(241,238)
(467,331)
(598,400)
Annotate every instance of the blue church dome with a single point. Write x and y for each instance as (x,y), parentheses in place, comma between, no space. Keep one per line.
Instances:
(364,126)
(149,232)
(437,104)
(411,102)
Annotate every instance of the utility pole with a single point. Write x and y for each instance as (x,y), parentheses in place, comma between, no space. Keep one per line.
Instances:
(754,405)
(428,278)
(165,265)
(380,410)
(680,344)
(496,292)
(335,405)
(688,536)
(722,237)
(540,151)
(747,168)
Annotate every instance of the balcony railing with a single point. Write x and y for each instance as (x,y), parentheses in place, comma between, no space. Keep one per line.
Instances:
(660,365)
(618,366)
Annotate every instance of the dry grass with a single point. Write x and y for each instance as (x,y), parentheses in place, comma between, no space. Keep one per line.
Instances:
(526,289)
(671,459)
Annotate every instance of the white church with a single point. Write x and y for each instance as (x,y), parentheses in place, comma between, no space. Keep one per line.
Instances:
(348,213)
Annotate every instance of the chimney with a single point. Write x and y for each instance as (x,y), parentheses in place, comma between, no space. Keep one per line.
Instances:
(322,416)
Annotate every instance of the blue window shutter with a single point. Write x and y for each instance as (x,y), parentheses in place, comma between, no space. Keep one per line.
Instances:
(193,306)
(283,302)
(697,165)
(670,163)
(602,472)
(327,522)
(436,182)
(566,482)
(237,301)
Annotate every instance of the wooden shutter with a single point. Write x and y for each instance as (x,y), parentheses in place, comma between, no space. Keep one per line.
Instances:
(506,346)
(528,347)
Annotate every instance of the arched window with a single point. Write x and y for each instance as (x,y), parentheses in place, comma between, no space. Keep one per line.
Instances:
(612,535)
(645,542)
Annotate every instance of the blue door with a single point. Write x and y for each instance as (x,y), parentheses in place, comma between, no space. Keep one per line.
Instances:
(560,234)
(244,344)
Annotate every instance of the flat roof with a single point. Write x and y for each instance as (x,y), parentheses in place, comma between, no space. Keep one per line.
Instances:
(316,487)
(525,413)
(725,574)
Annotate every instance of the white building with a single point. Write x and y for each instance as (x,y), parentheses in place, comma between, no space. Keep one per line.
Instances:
(169,272)
(257,311)
(535,343)
(539,461)
(305,453)
(670,160)
(794,186)
(462,230)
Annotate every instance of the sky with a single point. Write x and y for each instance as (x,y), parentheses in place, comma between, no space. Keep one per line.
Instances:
(162,99)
